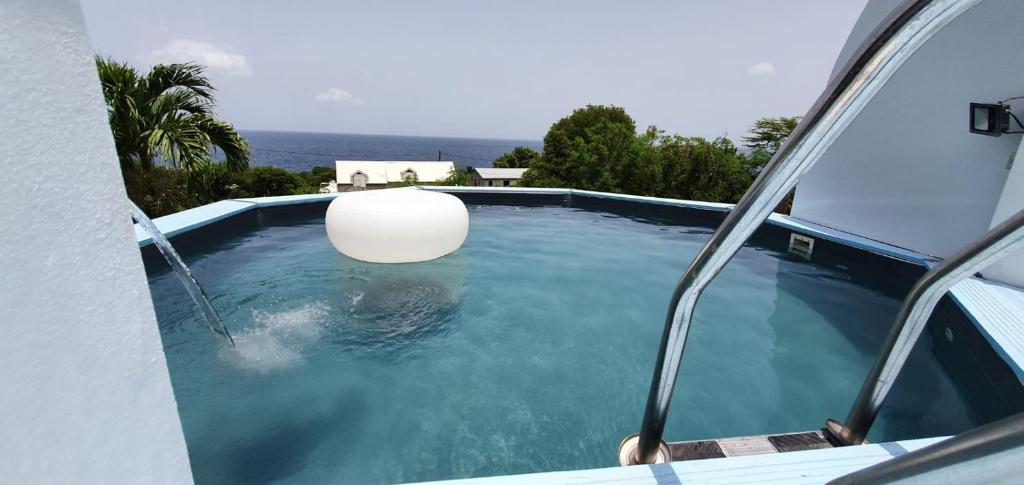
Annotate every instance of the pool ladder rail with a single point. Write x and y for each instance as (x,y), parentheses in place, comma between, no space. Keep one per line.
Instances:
(878,58)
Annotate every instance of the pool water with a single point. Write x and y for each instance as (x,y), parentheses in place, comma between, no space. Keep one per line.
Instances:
(529,349)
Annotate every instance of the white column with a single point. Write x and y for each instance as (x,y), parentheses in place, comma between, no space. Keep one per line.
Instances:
(84,390)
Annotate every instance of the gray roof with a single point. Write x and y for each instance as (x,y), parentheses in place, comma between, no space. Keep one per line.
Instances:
(500,173)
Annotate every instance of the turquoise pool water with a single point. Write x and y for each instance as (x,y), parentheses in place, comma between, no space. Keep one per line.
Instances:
(529,349)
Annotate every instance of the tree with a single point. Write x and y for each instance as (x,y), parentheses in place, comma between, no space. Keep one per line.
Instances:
(166,115)
(695,168)
(770,133)
(456,177)
(519,157)
(765,138)
(584,150)
(269,181)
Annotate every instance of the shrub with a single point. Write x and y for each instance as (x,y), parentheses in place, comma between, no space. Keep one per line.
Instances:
(269,181)
(159,191)
(519,157)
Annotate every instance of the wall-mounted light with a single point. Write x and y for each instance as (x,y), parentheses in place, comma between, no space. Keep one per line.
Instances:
(990,119)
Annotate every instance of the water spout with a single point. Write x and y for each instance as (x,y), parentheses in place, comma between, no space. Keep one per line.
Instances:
(184,274)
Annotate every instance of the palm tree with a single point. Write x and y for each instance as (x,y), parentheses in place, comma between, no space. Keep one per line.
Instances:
(166,115)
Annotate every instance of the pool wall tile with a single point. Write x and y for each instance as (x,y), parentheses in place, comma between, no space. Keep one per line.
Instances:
(986,378)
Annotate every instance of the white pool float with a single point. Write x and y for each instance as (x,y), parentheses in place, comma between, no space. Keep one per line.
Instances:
(397,225)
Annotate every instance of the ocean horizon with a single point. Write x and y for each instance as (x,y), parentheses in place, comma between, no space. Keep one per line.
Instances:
(301,151)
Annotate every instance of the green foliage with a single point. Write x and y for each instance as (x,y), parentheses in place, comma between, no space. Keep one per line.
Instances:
(269,181)
(597,148)
(312,179)
(159,191)
(456,177)
(769,133)
(166,115)
(695,168)
(585,150)
(594,148)
(765,138)
(519,157)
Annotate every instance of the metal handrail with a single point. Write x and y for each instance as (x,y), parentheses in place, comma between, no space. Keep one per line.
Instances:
(878,58)
(1000,436)
(913,315)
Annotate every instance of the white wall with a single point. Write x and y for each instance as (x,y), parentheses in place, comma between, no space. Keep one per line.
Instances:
(1011,268)
(84,391)
(907,171)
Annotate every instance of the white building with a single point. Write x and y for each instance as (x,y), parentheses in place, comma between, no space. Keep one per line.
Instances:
(361,174)
(496,177)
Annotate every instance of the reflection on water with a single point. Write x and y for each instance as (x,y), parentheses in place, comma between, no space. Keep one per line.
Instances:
(373,308)
(395,306)
(397,313)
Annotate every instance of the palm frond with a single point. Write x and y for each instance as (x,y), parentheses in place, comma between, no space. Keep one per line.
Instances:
(224,136)
(166,115)
(188,76)
(178,100)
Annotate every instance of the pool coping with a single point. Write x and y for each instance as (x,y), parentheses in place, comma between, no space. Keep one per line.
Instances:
(811,466)
(187,220)
(995,309)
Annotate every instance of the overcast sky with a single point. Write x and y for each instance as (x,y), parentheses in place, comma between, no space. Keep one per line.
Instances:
(484,68)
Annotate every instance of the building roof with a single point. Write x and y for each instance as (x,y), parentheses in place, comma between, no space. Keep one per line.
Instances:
(382,172)
(500,173)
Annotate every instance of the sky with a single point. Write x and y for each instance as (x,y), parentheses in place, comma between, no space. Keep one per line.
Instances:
(488,69)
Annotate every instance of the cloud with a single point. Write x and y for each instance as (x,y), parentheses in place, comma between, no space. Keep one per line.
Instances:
(217,59)
(334,95)
(762,69)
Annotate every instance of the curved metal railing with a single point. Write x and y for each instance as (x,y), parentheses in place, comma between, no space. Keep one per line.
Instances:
(1002,240)
(878,58)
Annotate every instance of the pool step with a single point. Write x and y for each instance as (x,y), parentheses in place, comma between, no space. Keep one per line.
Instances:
(750,445)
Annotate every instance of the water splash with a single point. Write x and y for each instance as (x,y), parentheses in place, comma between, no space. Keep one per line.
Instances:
(182,272)
(278,340)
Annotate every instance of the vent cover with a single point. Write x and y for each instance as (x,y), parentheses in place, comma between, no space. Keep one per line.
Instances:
(801,246)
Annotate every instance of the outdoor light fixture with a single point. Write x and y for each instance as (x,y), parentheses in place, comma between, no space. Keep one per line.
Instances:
(990,119)
(993,119)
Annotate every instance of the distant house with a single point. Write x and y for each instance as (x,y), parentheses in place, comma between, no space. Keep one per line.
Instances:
(496,177)
(358,175)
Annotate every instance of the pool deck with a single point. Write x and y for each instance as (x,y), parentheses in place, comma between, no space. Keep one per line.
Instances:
(996,309)
(813,466)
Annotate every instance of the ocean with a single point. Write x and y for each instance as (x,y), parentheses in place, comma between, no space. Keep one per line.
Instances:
(301,151)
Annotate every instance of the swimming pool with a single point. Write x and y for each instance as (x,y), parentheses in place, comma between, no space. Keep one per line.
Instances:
(529,349)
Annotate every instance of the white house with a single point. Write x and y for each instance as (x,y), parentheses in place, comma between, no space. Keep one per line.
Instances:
(496,177)
(361,174)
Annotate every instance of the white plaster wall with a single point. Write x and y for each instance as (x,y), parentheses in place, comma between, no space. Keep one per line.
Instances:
(1011,268)
(873,13)
(907,171)
(84,391)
